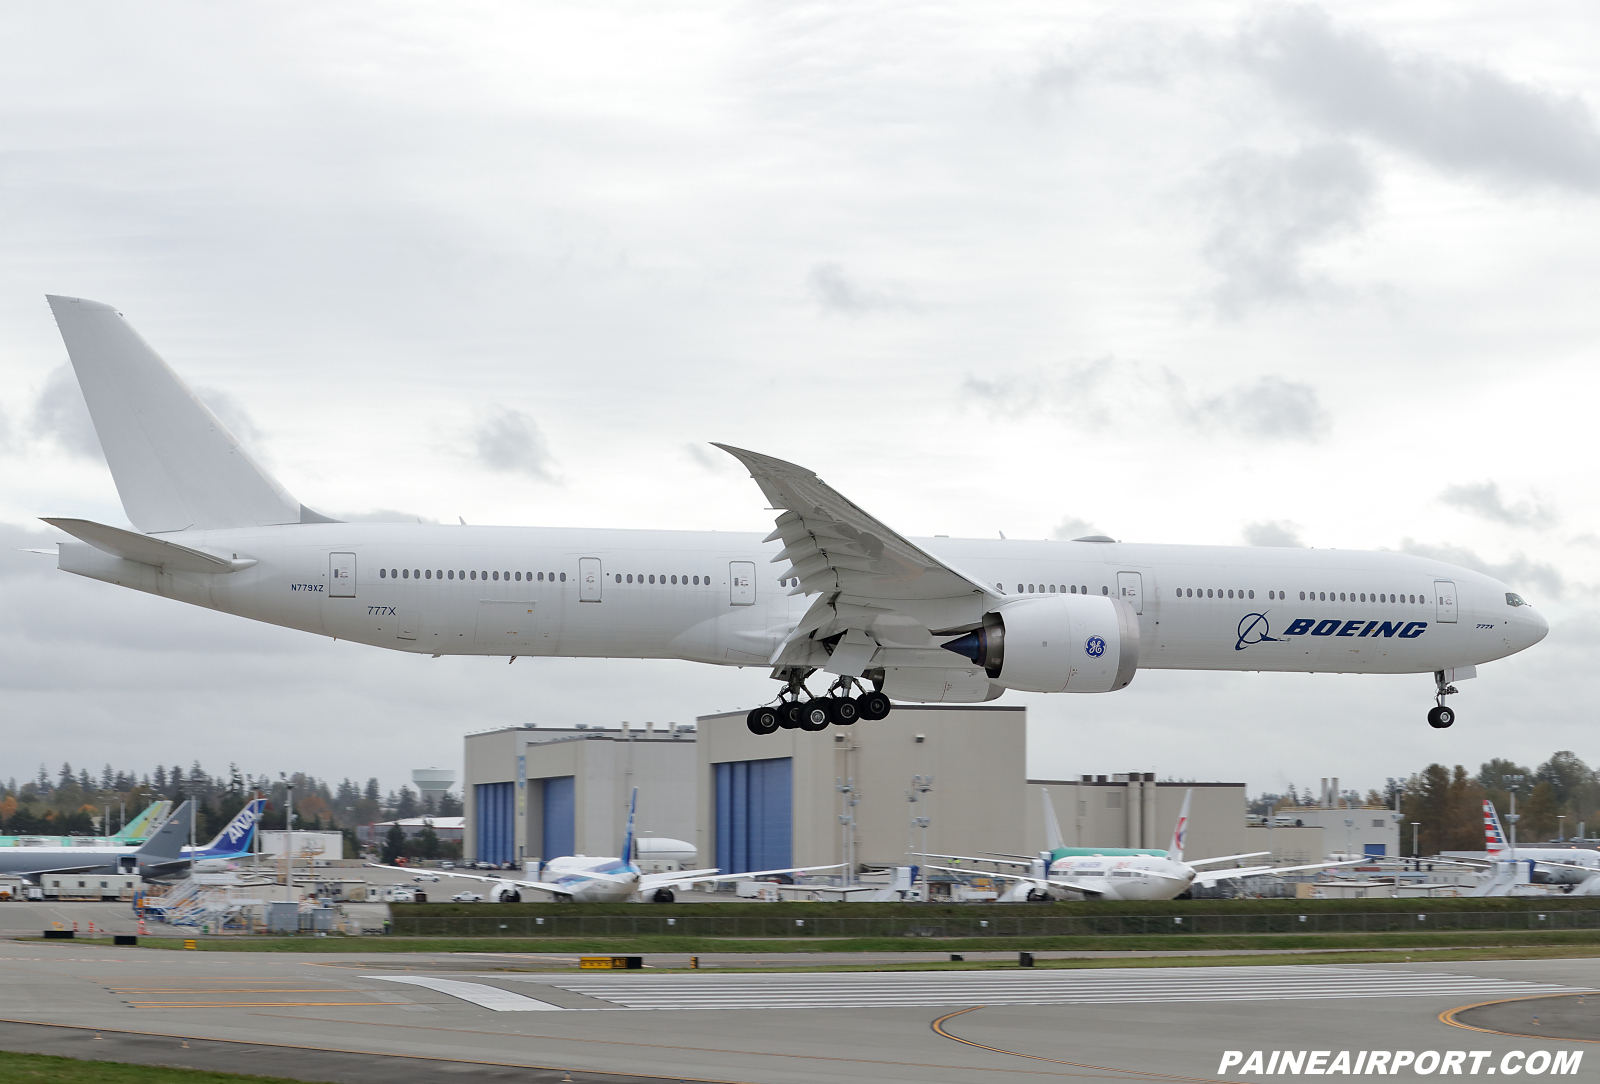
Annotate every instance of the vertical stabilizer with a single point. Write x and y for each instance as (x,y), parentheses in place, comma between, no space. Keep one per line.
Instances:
(146,822)
(176,466)
(1494,837)
(169,840)
(1052,827)
(627,839)
(1180,830)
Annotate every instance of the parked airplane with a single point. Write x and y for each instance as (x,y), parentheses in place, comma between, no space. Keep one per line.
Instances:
(132,834)
(929,620)
(581,879)
(160,855)
(1546,865)
(233,842)
(1127,873)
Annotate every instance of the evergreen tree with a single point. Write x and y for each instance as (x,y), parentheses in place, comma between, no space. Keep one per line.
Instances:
(406,806)
(427,842)
(394,844)
(449,805)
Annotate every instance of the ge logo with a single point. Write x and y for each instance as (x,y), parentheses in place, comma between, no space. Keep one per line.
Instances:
(1094,647)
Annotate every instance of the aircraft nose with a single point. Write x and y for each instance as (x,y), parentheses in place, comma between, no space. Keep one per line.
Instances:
(1537,628)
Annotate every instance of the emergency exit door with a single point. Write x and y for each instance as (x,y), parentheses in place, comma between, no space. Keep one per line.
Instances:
(342,575)
(589,579)
(1446,592)
(1130,589)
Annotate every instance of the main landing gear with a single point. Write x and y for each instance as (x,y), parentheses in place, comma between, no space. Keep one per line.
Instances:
(814,713)
(1440,717)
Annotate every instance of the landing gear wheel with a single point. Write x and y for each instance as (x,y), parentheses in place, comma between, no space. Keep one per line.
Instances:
(873,706)
(815,714)
(845,711)
(1441,717)
(663,895)
(762,721)
(789,714)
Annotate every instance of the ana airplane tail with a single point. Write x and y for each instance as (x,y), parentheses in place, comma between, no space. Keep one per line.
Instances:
(627,839)
(234,839)
(175,464)
(1180,830)
(1494,837)
(1052,827)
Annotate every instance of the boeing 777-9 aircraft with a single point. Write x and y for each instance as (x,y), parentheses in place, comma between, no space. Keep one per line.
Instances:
(831,590)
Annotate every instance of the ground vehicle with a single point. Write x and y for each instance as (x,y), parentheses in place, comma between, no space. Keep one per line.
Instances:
(426,877)
(467,897)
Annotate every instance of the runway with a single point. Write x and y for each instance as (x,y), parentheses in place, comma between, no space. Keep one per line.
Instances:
(338,1017)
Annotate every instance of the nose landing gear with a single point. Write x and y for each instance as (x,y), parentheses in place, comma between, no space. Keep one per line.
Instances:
(1441,717)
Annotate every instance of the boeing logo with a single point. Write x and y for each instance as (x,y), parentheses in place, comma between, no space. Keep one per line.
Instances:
(1255,629)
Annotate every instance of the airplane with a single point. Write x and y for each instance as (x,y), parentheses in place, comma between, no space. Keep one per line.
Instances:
(232,842)
(886,617)
(133,833)
(1546,865)
(160,855)
(581,879)
(1114,873)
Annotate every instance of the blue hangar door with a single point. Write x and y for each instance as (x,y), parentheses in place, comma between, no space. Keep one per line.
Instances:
(495,822)
(560,817)
(755,814)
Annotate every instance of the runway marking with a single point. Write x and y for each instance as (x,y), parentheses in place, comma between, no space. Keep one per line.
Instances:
(1449,1017)
(938,1027)
(244,1004)
(490,997)
(1105,986)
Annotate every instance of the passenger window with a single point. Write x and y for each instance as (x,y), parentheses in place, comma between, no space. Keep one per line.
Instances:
(428,575)
(619,577)
(652,579)
(1019,589)
(405,573)
(563,577)
(383,573)
(1252,594)
(697,581)
(1105,590)
(674,579)
(1083,589)
(1302,596)
(1074,589)
(630,577)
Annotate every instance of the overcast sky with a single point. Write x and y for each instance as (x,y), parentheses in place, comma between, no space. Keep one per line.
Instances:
(1269,274)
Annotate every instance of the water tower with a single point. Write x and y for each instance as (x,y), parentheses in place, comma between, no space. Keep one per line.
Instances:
(434,783)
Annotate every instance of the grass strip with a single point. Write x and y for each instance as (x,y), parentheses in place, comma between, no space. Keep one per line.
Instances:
(49,1069)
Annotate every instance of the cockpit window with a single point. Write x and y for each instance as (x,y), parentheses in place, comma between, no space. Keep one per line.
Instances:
(1514,599)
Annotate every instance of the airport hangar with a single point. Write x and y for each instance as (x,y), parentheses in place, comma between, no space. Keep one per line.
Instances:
(739,802)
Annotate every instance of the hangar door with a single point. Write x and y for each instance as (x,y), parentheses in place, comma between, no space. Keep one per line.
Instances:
(755,819)
(494,822)
(560,817)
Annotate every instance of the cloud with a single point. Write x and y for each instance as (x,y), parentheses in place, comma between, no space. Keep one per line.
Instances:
(836,292)
(60,414)
(1073,527)
(1093,396)
(1457,116)
(1272,532)
(1519,571)
(509,440)
(1483,499)
(232,413)
(1272,210)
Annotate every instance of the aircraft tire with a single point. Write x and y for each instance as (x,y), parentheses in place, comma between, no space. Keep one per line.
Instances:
(874,706)
(1441,717)
(763,721)
(844,711)
(789,714)
(816,714)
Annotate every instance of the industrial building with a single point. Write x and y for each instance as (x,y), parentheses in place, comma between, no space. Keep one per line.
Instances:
(535,793)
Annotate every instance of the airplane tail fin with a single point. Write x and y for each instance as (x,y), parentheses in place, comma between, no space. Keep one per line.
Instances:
(1180,830)
(1494,837)
(142,825)
(169,839)
(1052,827)
(234,839)
(175,464)
(627,839)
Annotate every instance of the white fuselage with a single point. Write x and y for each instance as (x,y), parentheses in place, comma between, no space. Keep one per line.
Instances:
(1132,877)
(714,597)
(576,876)
(1544,872)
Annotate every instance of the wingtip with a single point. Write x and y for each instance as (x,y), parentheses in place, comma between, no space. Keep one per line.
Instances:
(59,301)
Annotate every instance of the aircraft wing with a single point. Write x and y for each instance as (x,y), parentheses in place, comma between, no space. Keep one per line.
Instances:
(519,882)
(1042,882)
(868,576)
(649,882)
(1225,858)
(1211,877)
(969,858)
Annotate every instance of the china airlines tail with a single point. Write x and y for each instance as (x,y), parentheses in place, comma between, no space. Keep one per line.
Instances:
(1494,838)
(1180,830)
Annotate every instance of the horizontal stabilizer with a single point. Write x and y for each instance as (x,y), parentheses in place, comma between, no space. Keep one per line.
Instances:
(146,550)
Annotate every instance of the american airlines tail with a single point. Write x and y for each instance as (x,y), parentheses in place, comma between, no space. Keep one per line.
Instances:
(1180,830)
(1494,837)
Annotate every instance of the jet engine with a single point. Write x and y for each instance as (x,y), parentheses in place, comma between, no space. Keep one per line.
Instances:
(1056,644)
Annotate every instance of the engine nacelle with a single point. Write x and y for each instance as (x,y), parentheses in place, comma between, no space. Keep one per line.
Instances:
(1057,644)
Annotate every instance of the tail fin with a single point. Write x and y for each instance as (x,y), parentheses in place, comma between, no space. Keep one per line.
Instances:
(1494,836)
(1052,827)
(142,825)
(1180,831)
(176,466)
(234,839)
(627,840)
(167,844)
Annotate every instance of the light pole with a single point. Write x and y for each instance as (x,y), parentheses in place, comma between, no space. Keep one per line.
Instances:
(1561,827)
(920,786)
(1349,823)
(847,821)
(1414,852)
(1512,782)
(288,826)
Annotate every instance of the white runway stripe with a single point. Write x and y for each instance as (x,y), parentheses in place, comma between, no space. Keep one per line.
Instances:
(1107,986)
(490,997)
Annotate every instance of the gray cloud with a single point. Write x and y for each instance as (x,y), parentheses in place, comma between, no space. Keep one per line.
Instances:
(232,413)
(836,292)
(1454,115)
(1483,499)
(1519,571)
(1272,211)
(1272,532)
(1074,527)
(60,414)
(1094,394)
(509,440)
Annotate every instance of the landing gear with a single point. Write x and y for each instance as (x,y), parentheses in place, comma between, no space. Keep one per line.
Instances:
(763,721)
(797,709)
(873,706)
(1440,717)
(663,895)
(789,713)
(816,714)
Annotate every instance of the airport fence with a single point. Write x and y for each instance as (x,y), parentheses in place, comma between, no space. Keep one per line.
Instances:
(488,924)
